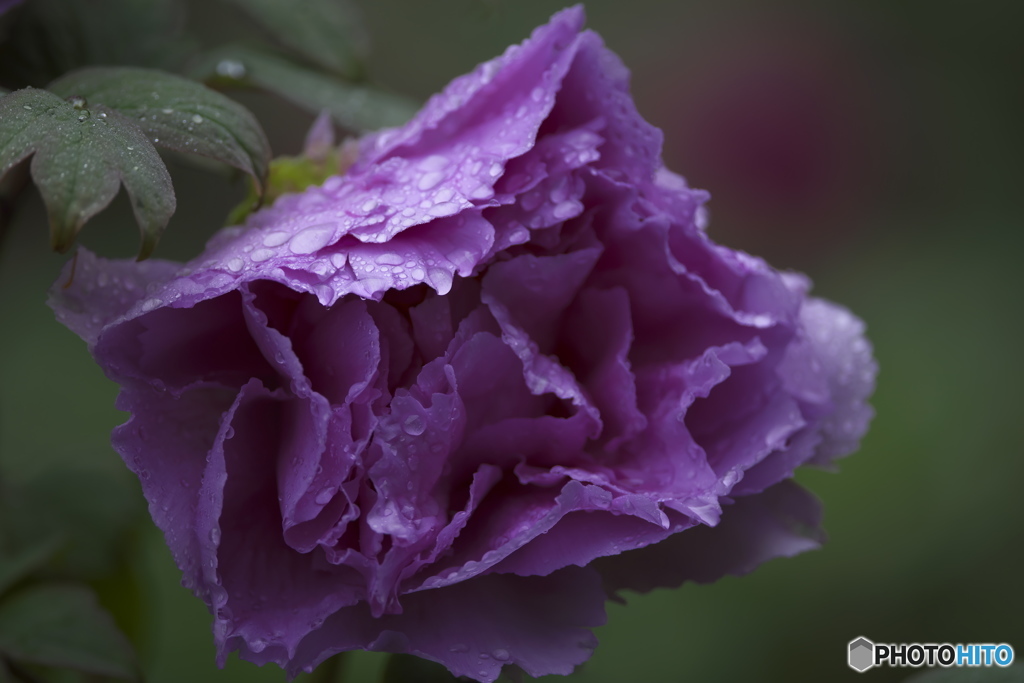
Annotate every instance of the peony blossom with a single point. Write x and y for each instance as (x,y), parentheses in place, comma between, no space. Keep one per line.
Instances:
(449,402)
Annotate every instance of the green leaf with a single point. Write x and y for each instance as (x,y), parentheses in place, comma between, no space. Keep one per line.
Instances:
(16,566)
(176,113)
(327,32)
(355,107)
(62,625)
(51,37)
(92,512)
(82,154)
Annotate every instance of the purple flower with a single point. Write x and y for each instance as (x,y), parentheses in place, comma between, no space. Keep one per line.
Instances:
(447,402)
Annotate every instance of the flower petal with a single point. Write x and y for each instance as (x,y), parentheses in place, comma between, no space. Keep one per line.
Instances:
(540,623)
(779,522)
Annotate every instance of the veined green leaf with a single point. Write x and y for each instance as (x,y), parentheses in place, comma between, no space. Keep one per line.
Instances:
(176,113)
(81,154)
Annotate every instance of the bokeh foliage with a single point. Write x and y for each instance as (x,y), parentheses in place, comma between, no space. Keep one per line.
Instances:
(919,234)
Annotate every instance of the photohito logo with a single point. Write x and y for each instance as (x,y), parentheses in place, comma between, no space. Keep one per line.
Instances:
(863,654)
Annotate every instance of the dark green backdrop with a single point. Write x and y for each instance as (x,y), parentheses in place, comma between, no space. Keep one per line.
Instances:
(874,145)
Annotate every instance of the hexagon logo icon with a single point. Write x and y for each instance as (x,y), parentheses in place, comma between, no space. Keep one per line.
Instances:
(861,654)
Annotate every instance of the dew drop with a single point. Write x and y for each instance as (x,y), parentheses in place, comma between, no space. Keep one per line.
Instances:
(261,255)
(501,654)
(232,68)
(196,118)
(389,259)
(441,280)
(312,239)
(414,425)
(236,264)
(430,180)
(215,535)
(324,496)
(519,235)
(435,162)
(564,210)
(444,209)
(275,239)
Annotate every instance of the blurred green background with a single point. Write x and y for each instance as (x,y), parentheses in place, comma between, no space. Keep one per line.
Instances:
(875,145)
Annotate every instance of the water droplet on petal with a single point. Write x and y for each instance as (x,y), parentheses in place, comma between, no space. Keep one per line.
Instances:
(441,280)
(444,209)
(325,495)
(501,654)
(275,239)
(236,264)
(430,180)
(435,162)
(564,210)
(414,425)
(261,255)
(312,239)
(389,259)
